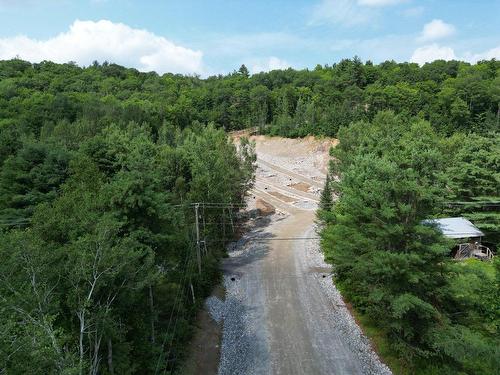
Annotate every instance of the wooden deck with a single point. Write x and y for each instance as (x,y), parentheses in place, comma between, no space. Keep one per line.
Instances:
(473,250)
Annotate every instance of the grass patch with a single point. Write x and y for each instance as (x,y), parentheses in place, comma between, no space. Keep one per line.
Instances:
(475,264)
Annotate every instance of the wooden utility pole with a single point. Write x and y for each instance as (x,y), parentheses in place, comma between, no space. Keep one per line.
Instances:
(203,217)
(198,254)
(192,291)
(231,216)
(205,251)
(223,226)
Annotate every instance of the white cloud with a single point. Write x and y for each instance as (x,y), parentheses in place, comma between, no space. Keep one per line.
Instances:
(379,3)
(266,65)
(436,29)
(432,52)
(493,53)
(87,41)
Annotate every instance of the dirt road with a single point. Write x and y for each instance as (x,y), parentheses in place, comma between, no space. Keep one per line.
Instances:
(282,314)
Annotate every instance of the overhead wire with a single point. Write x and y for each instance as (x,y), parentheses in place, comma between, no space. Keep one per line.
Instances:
(178,310)
(177,299)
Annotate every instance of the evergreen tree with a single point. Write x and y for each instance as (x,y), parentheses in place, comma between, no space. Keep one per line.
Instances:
(326,198)
(473,177)
(394,269)
(243,70)
(30,177)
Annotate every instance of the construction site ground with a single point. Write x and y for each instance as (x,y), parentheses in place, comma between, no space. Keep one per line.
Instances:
(281,312)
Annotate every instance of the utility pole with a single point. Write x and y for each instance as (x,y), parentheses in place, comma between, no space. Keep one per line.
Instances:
(203,217)
(192,292)
(198,255)
(204,230)
(223,226)
(231,216)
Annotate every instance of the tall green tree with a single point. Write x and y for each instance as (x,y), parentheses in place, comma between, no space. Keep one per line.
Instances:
(394,268)
(474,181)
(29,177)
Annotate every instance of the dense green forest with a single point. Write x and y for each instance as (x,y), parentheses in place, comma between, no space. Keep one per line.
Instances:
(101,167)
(99,270)
(439,316)
(452,95)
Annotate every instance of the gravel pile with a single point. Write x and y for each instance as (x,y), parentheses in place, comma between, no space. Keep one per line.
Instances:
(315,190)
(235,345)
(341,316)
(244,350)
(215,308)
(306,205)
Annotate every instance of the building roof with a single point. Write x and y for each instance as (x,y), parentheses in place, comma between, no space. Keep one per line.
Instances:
(456,227)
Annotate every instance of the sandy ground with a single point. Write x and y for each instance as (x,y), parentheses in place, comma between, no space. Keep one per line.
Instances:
(282,314)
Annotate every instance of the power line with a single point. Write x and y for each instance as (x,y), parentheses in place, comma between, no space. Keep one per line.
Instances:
(477,204)
(12,223)
(187,264)
(212,204)
(273,239)
(474,204)
(177,316)
(189,261)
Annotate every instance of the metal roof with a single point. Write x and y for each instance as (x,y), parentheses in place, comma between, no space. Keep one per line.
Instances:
(456,227)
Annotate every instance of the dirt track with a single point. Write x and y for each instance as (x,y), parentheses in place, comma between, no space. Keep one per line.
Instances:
(279,315)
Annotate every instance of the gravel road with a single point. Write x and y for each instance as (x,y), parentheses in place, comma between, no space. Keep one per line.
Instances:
(282,313)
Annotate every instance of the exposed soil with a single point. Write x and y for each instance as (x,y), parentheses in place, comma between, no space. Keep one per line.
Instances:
(204,354)
(301,186)
(264,207)
(308,156)
(282,197)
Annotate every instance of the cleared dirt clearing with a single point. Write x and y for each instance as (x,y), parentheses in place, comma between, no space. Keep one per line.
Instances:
(302,186)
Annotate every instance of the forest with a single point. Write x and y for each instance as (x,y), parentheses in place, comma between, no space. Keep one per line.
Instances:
(102,167)
(430,313)
(99,270)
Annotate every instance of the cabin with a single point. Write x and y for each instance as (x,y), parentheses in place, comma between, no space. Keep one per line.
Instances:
(467,235)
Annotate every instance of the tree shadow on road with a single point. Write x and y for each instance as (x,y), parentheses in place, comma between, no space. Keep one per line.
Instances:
(250,248)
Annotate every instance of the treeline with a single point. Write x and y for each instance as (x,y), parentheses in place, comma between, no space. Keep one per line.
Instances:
(389,175)
(99,270)
(451,95)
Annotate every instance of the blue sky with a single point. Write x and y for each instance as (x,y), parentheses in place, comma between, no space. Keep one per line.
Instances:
(215,36)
